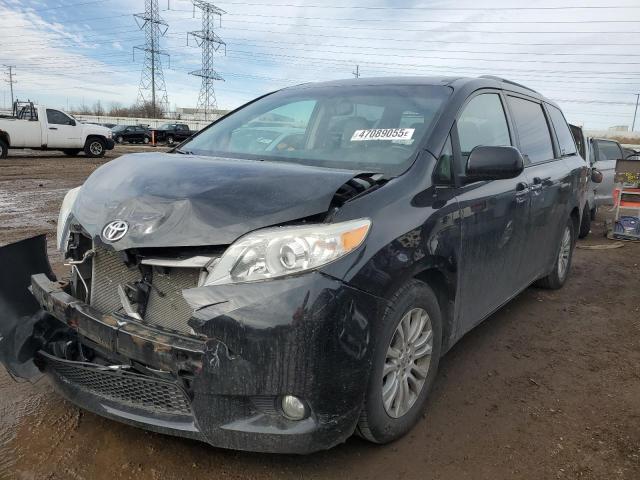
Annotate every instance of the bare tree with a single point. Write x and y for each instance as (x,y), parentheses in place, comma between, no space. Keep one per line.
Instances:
(98,110)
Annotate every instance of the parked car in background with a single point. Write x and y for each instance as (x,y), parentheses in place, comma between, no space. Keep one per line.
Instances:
(172,133)
(278,292)
(42,128)
(631,153)
(131,134)
(587,149)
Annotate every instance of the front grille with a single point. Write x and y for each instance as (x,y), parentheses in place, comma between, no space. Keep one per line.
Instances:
(166,306)
(127,388)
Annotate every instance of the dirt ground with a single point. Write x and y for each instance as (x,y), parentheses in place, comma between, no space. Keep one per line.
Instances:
(548,387)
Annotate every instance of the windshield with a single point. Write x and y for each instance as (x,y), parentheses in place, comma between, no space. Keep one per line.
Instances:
(164,126)
(364,128)
(117,128)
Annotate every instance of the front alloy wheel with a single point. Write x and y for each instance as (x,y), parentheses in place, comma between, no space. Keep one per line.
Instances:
(95,148)
(407,364)
(405,360)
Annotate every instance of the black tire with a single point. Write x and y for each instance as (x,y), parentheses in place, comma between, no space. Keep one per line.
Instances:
(4,149)
(557,278)
(375,424)
(95,147)
(170,140)
(585,224)
(72,152)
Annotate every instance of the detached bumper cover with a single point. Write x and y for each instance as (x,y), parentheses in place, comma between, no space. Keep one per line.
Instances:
(308,336)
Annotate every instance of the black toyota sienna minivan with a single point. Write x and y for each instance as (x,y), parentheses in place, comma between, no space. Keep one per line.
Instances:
(293,274)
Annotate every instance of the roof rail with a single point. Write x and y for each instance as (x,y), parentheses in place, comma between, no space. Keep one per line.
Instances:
(511,82)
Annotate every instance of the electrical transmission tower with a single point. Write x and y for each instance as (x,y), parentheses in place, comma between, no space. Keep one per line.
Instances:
(10,80)
(210,44)
(152,91)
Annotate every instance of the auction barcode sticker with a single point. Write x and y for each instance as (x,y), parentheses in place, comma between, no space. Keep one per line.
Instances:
(383,134)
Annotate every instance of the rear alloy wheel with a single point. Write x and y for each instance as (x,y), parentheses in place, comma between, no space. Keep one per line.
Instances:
(146,140)
(170,140)
(405,362)
(585,224)
(4,149)
(119,139)
(562,266)
(95,148)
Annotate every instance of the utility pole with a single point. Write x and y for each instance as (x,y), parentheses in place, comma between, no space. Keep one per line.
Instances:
(10,81)
(210,44)
(152,89)
(356,72)
(633,126)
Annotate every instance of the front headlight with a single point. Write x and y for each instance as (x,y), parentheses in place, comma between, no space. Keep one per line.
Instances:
(276,252)
(63,217)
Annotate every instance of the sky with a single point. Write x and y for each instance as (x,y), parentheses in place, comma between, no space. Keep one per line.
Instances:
(582,54)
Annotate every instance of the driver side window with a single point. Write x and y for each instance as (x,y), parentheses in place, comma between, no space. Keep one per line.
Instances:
(483,122)
(54,117)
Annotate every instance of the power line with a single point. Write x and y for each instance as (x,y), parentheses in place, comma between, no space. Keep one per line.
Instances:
(210,43)
(466,21)
(404,41)
(448,30)
(152,84)
(10,80)
(430,8)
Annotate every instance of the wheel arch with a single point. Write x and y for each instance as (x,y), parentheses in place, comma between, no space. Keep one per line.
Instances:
(445,290)
(5,136)
(94,136)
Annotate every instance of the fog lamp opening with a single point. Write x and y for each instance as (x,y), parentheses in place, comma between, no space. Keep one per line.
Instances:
(293,407)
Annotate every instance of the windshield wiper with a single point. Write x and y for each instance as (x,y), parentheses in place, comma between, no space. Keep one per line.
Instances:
(183,152)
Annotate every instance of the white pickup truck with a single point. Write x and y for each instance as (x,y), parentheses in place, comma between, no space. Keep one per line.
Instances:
(42,128)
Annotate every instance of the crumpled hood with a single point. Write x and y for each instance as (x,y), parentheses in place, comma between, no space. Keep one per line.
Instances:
(184,200)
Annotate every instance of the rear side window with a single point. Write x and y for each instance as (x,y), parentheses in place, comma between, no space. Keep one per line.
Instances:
(483,122)
(608,150)
(533,131)
(565,138)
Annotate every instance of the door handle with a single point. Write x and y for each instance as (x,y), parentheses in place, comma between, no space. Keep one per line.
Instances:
(540,181)
(52,128)
(522,189)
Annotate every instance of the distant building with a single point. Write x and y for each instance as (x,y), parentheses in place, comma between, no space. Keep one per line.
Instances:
(619,128)
(196,114)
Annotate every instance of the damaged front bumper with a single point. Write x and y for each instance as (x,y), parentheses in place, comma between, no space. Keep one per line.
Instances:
(308,336)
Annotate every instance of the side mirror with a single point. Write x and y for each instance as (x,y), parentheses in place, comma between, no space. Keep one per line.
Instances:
(596,176)
(493,163)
